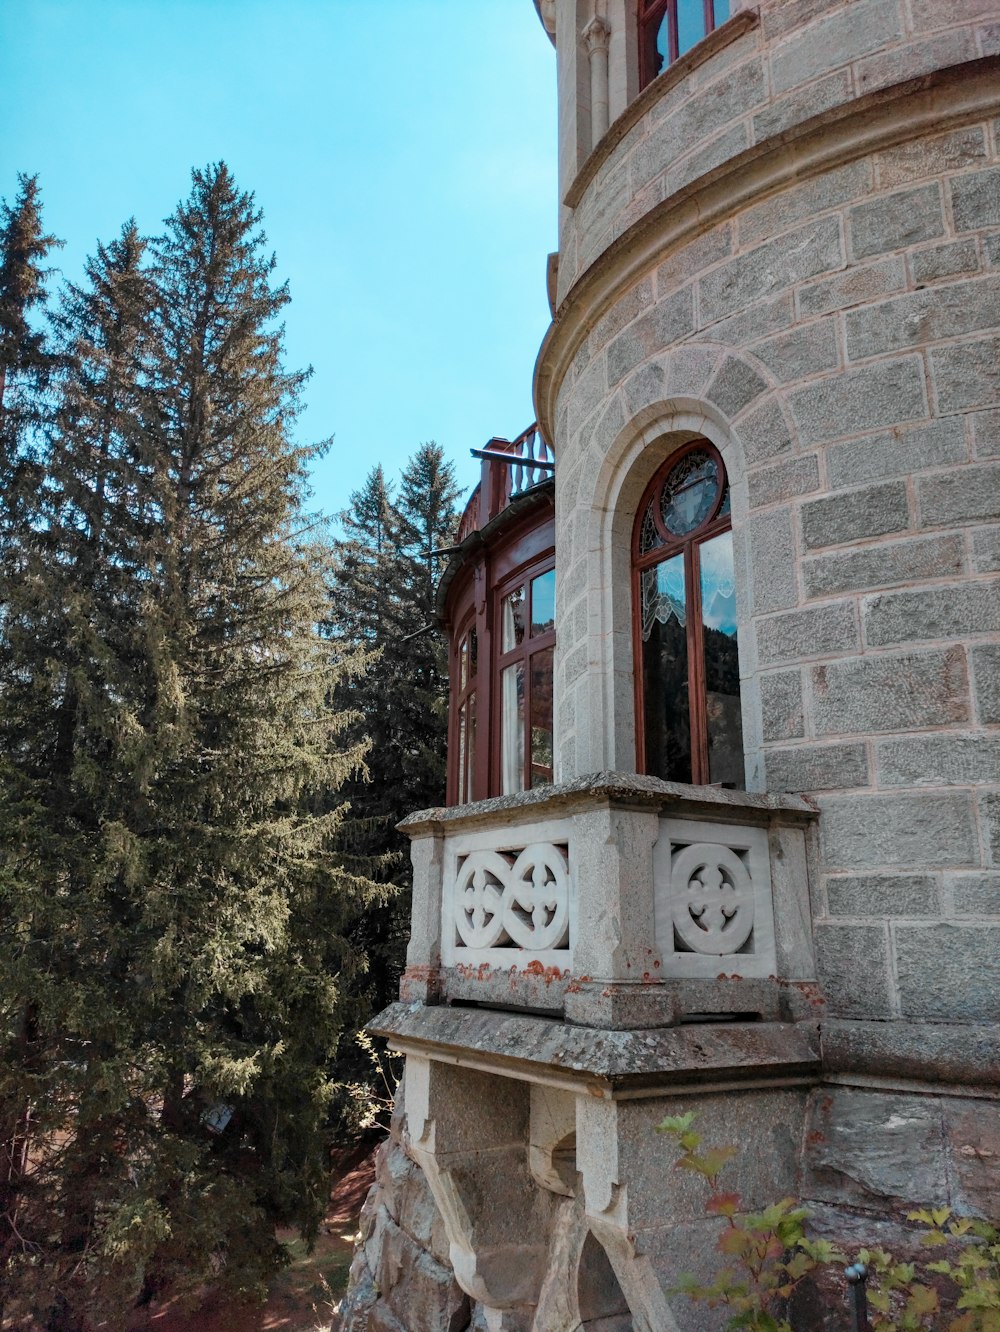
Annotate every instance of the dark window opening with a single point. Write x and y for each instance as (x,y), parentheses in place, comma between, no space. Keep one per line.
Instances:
(669,28)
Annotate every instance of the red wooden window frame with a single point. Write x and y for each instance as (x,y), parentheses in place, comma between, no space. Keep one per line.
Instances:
(522,651)
(651,15)
(464,763)
(688,546)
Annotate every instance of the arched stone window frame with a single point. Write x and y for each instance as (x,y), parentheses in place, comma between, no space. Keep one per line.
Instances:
(687,547)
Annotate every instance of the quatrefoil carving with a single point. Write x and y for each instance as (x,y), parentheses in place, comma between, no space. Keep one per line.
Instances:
(712,899)
(520,902)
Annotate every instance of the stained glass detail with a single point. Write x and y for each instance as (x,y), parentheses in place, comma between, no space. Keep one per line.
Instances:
(649,537)
(689,493)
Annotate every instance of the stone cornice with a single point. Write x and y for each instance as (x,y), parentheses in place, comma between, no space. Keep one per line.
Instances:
(928,105)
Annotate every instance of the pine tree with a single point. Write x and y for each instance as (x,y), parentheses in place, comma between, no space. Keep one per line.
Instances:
(176,918)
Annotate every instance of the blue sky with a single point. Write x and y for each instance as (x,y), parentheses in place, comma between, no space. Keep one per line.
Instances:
(403,152)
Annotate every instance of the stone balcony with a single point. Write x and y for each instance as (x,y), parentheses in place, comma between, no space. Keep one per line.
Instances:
(616,901)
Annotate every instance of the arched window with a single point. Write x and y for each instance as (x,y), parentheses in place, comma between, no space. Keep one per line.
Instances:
(668,28)
(688,719)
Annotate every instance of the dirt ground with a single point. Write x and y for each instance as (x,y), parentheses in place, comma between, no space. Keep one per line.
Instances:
(303,1297)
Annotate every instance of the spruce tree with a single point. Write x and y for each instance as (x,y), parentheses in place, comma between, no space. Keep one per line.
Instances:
(176,918)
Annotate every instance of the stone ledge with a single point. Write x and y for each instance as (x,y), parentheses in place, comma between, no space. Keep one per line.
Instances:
(608,1064)
(620,788)
(954,1053)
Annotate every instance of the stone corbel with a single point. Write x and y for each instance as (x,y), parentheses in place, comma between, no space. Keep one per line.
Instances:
(597,36)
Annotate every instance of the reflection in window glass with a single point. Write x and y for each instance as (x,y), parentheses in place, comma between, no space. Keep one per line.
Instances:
(662,45)
(665,671)
(473,653)
(721,11)
(690,24)
(512,629)
(689,493)
(463,663)
(512,729)
(463,756)
(722,667)
(543,602)
(471,750)
(541,717)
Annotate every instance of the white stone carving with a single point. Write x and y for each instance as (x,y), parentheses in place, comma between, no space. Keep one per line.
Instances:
(712,899)
(501,900)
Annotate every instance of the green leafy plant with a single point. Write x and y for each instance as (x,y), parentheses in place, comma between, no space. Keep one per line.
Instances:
(768,1253)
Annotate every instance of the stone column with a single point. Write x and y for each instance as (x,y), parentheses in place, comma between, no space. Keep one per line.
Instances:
(597,36)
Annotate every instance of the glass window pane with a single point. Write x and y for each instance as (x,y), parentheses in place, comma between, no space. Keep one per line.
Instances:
(689,493)
(512,629)
(722,667)
(541,717)
(662,45)
(512,729)
(649,537)
(690,24)
(462,756)
(470,759)
(463,664)
(665,671)
(543,602)
(721,11)
(473,653)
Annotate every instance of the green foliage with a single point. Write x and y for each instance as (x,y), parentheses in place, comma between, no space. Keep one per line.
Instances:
(768,1253)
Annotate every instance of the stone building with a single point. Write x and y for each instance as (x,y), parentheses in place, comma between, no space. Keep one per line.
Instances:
(726,835)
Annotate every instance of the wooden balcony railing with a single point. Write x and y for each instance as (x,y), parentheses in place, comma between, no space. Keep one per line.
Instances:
(510,468)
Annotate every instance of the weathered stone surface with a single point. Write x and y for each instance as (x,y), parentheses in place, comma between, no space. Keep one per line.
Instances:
(735,386)
(967,375)
(806,252)
(923,316)
(918,158)
(973,1140)
(986,550)
(894,692)
(912,831)
(405,1193)
(781,704)
(756,321)
(772,560)
(964,495)
(914,59)
(949,972)
(416,1288)
(856,286)
(937,612)
(883,895)
(899,452)
(989,813)
(694,258)
(975,200)
(764,433)
(817,767)
(986,434)
(895,221)
(986,682)
(827,190)
(883,564)
(842,36)
(665,324)
(975,894)
(944,261)
(939,760)
(852,514)
(802,353)
(872,1148)
(882,394)
(700,117)
(812,99)
(816,632)
(785,480)
(853,964)
(961,1054)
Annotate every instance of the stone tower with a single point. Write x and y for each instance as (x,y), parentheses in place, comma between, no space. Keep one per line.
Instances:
(765,881)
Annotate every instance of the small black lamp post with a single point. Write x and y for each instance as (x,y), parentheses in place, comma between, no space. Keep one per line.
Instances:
(857,1277)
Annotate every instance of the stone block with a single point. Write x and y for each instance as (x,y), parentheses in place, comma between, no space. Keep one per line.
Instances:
(721,149)
(890,692)
(416,1288)
(829,189)
(898,452)
(812,99)
(991,249)
(939,760)
(764,433)
(957,1053)
(692,259)
(815,632)
(845,35)
(933,612)
(772,562)
(825,767)
(944,261)
(802,353)
(916,58)
(883,895)
(975,894)
(928,14)
(735,386)
(989,817)
(853,964)
(664,325)
(781,705)
(920,317)
(883,394)
(986,683)
(882,565)
(986,434)
(896,221)
(986,550)
(923,830)
(806,252)
(756,321)
(975,200)
(851,515)
(973,1141)
(962,495)
(966,375)
(856,286)
(783,481)
(874,1148)
(627,308)
(949,972)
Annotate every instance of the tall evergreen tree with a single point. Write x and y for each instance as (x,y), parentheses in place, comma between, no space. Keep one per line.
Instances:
(175,916)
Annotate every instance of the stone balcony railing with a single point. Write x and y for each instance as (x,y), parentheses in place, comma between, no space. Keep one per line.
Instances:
(616,901)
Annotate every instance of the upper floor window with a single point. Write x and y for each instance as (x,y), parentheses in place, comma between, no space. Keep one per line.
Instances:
(526,635)
(668,28)
(689,724)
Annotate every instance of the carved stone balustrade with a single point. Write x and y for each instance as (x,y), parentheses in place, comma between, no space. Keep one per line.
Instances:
(617,902)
